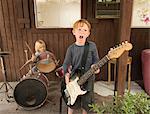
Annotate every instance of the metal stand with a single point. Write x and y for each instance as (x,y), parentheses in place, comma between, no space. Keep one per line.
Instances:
(60,105)
(5,83)
(116,79)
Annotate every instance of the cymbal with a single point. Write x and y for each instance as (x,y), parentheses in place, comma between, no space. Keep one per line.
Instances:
(4,53)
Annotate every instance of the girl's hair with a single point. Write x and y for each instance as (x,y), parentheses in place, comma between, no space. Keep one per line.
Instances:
(81,22)
(39,44)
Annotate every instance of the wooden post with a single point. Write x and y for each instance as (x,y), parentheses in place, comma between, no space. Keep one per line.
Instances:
(124,35)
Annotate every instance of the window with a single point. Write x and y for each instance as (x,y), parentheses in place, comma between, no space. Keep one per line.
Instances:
(56,13)
(107,9)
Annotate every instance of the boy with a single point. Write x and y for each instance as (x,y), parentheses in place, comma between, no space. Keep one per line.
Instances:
(81,31)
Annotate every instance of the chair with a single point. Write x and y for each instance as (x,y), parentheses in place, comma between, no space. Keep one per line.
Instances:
(114,62)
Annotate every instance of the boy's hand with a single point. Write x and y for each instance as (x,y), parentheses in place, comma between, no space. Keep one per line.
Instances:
(67,77)
(97,70)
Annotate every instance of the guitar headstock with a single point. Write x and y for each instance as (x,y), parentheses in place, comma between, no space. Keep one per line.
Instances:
(118,51)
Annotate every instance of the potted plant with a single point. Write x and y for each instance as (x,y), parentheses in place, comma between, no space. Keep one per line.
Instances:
(138,103)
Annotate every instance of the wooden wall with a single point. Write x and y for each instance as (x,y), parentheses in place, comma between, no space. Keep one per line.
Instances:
(17,26)
(141,40)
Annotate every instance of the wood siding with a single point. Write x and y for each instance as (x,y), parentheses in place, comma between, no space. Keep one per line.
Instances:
(17,26)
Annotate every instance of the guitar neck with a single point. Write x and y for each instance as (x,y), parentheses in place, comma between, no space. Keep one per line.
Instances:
(91,71)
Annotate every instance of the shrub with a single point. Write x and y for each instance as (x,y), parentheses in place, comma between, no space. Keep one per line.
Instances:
(138,103)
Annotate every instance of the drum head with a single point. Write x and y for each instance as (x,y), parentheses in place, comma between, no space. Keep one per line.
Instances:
(30,93)
(46,66)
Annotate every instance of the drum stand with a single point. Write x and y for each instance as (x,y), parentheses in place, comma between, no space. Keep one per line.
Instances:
(5,83)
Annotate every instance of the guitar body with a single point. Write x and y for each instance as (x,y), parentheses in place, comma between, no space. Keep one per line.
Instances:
(71,91)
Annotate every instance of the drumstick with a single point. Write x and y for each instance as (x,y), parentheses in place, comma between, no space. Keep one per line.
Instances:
(26,64)
(27,60)
(29,47)
(26,53)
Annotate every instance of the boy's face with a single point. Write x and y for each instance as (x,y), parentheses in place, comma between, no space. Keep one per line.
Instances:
(81,33)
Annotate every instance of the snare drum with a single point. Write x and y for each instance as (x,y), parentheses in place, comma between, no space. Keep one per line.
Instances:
(46,62)
(31,93)
(46,65)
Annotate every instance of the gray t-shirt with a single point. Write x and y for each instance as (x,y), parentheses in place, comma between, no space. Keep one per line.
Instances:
(74,55)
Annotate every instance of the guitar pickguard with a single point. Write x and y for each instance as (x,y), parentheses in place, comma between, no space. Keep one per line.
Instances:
(73,90)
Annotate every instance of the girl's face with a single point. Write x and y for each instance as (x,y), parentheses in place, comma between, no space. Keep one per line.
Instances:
(39,47)
(81,33)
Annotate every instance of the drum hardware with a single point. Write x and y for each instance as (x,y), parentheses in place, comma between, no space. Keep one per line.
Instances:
(5,83)
(4,53)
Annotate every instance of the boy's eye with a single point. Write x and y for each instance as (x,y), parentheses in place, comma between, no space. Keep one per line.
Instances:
(82,30)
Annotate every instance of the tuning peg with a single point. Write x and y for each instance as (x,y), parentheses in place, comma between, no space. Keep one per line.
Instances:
(115,47)
(126,41)
(120,45)
(123,43)
(111,49)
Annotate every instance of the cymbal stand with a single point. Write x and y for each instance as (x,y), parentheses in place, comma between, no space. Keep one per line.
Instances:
(5,83)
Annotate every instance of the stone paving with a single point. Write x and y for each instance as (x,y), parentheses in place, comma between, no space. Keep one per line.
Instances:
(103,92)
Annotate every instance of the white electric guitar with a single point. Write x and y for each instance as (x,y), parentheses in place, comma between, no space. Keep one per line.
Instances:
(71,91)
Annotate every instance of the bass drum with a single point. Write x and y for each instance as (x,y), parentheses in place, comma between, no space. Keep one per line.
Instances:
(31,92)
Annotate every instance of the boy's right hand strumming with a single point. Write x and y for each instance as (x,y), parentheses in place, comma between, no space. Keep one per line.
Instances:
(67,77)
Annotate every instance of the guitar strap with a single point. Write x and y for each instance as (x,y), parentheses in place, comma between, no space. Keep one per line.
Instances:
(84,58)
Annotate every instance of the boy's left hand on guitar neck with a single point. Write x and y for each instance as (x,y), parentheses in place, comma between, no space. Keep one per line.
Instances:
(97,71)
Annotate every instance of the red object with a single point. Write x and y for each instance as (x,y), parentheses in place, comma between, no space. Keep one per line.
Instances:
(43,55)
(146,69)
(60,71)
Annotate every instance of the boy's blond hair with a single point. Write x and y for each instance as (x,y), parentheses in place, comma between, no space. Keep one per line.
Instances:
(38,44)
(81,22)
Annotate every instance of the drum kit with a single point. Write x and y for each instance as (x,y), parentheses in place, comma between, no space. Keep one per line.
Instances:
(31,92)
